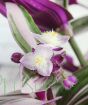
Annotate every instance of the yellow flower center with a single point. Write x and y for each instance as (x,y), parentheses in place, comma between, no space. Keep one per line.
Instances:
(39,60)
(51,33)
(50,37)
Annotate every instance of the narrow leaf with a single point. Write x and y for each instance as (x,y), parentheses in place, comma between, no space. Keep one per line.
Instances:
(80,24)
(18,37)
(32,26)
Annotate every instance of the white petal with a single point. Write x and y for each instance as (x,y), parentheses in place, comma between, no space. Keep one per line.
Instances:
(44,51)
(83,2)
(62,40)
(40,38)
(28,61)
(45,69)
(21,23)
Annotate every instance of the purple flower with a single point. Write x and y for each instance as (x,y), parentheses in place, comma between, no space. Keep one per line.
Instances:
(41,10)
(16,57)
(69,82)
(52,39)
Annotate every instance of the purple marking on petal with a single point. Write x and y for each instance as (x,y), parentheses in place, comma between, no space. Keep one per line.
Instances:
(58,49)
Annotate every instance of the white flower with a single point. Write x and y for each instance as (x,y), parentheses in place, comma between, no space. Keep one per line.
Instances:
(52,39)
(39,60)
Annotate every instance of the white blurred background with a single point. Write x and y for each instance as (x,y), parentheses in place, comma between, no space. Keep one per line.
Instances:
(9,70)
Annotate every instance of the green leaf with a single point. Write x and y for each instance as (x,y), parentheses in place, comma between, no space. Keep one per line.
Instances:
(32,26)
(16,33)
(80,24)
(68,95)
(18,37)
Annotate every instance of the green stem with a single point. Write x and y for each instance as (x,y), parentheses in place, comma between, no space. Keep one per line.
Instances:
(77,52)
(73,43)
(65,3)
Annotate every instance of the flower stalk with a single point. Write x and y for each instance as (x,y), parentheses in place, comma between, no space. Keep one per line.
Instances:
(73,43)
(65,3)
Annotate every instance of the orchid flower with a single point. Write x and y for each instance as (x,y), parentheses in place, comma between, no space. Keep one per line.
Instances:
(41,10)
(39,60)
(52,39)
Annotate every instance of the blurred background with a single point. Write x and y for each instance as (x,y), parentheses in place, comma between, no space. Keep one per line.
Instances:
(9,71)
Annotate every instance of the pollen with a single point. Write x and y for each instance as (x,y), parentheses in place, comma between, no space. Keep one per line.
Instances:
(51,33)
(38,60)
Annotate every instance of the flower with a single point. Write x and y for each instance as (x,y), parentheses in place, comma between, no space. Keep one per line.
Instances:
(52,39)
(41,10)
(69,82)
(39,60)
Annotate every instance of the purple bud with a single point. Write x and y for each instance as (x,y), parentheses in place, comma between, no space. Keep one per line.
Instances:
(69,82)
(72,79)
(16,57)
